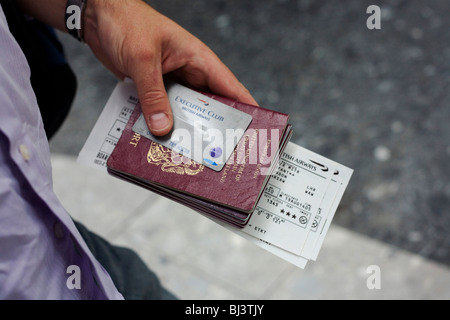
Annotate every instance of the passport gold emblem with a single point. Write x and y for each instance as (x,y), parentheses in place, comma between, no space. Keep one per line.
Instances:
(172,162)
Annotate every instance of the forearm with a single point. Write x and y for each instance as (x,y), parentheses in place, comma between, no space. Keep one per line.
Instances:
(50,12)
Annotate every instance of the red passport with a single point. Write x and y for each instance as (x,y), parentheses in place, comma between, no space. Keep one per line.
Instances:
(229,195)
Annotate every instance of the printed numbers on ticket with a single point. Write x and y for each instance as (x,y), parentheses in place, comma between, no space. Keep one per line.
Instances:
(109,126)
(286,210)
(329,206)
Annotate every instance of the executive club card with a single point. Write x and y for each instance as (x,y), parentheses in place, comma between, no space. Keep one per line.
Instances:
(204,130)
(237,186)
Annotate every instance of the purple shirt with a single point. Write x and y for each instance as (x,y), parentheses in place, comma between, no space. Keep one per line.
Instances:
(42,255)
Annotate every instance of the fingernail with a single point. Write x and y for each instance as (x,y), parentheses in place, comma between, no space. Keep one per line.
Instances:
(159,121)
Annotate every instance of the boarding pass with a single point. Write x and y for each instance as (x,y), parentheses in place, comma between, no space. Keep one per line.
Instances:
(296,209)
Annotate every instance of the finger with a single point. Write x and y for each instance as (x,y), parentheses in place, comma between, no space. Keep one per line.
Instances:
(153,99)
(204,70)
(240,93)
(224,82)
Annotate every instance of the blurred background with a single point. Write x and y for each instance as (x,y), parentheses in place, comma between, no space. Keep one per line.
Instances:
(377,101)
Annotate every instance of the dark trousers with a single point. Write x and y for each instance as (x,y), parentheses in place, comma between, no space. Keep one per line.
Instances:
(132,277)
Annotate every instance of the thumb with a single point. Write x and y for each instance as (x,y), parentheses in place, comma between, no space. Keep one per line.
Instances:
(154,102)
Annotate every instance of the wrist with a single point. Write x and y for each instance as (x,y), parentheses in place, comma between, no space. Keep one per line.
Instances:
(89,18)
(96,12)
(81,17)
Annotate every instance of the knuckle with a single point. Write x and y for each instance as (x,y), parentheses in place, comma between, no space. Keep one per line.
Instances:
(152,97)
(144,54)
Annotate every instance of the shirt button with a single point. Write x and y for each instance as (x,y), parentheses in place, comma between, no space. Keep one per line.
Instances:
(58,230)
(24,152)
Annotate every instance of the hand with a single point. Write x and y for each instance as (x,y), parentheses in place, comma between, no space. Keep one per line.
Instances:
(133,40)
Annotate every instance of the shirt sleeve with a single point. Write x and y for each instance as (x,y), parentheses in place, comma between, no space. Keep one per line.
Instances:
(42,254)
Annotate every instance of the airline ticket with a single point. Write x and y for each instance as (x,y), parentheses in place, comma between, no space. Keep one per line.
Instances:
(298,205)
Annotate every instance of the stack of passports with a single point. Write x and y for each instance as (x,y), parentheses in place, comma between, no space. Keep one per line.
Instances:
(229,195)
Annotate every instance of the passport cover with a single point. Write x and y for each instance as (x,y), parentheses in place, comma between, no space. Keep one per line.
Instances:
(232,217)
(238,186)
